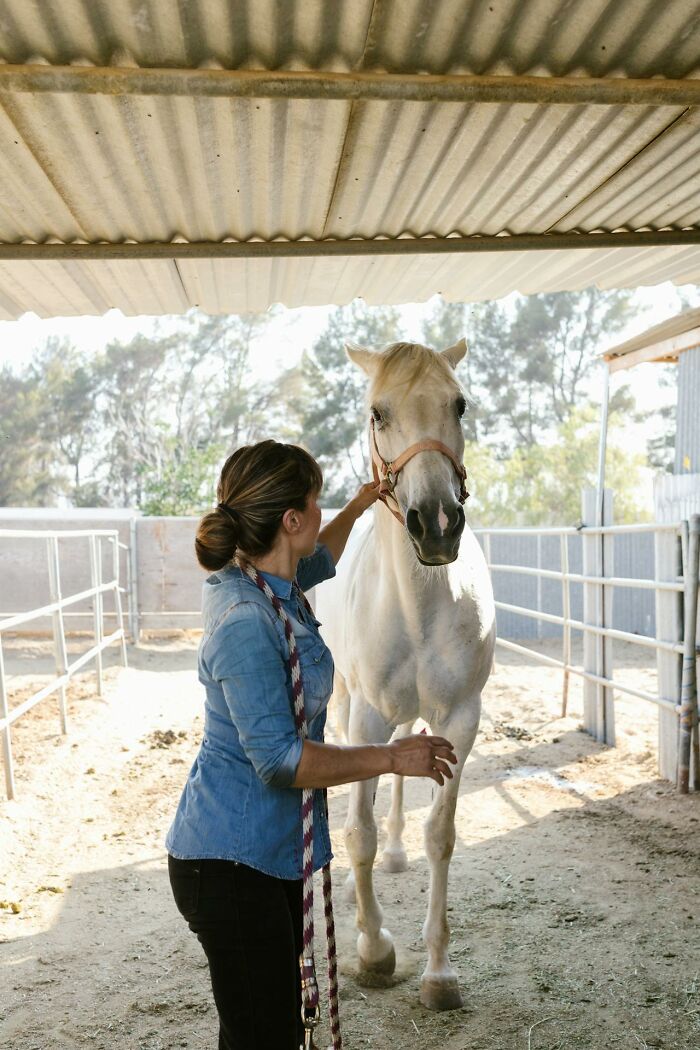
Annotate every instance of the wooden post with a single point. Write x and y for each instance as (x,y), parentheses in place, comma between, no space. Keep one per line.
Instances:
(566,613)
(669,627)
(598,706)
(539,584)
(114,540)
(95,581)
(133,557)
(59,634)
(688,706)
(6,737)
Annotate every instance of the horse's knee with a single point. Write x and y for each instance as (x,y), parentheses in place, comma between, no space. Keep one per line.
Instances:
(439,834)
(361,842)
(439,846)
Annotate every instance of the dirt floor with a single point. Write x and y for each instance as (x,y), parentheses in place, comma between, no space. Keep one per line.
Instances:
(574,886)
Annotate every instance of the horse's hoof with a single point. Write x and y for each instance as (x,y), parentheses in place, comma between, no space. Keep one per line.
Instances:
(440,993)
(394,860)
(383,957)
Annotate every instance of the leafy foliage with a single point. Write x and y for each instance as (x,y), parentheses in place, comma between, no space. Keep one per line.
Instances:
(147,422)
(329,399)
(542,483)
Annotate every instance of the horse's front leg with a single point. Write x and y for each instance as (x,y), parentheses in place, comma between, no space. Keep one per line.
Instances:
(375,946)
(439,986)
(394,856)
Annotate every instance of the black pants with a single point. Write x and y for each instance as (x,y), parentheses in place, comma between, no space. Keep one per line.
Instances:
(250,926)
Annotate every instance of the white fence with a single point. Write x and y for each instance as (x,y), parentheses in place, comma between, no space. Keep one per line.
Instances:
(555,580)
(55,609)
(674,639)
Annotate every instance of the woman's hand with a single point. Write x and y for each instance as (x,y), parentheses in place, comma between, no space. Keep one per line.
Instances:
(365,496)
(421,755)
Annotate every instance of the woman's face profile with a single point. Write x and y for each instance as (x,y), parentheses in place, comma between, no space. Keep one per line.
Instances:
(310,519)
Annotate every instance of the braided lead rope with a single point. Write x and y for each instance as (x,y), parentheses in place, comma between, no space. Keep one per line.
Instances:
(309,984)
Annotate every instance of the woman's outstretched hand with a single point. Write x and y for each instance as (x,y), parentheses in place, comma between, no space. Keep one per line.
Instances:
(365,496)
(421,755)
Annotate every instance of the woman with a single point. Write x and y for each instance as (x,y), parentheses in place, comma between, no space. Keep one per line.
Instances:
(234,847)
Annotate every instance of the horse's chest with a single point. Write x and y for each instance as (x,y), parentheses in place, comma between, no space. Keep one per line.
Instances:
(405,672)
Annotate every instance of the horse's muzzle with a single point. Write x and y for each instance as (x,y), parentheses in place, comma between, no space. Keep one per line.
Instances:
(435,534)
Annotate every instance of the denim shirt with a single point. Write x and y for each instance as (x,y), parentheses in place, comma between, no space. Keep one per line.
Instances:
(238,803)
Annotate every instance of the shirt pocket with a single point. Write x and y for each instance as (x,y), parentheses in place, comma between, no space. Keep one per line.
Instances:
(316,668)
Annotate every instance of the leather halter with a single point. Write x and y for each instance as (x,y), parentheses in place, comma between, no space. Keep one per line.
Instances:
(387,474)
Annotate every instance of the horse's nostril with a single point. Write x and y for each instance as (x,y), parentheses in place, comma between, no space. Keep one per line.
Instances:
(414,524)
(458,526)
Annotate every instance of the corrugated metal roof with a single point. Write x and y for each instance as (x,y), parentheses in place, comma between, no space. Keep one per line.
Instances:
(125,168)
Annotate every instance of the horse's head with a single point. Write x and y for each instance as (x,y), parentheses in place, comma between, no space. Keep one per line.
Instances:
(414,397)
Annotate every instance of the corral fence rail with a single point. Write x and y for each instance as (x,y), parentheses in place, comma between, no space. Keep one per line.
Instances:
(674,639)
(94,594)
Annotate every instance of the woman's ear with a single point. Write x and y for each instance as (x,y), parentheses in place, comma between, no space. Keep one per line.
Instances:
(290,520)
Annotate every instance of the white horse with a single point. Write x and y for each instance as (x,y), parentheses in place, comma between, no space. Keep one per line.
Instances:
(410,621)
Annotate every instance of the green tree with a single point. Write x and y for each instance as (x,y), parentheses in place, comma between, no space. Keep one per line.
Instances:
(541,484)
(27,468)
(185,481)
(69,385)
(530,361)
(327,397)
(176,403)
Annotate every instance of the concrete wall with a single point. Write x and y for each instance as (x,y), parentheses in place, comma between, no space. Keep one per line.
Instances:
(169,580)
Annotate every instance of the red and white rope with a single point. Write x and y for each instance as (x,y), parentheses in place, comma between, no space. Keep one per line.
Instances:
(310,994)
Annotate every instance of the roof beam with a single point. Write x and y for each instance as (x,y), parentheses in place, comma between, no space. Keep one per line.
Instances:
(663,351)
(355,246)
(387,87)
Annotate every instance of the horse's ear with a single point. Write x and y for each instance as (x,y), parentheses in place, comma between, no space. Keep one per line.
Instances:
(365,359)
(454,354)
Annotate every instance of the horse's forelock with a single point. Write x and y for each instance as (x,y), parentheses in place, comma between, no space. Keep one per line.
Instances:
(406,364)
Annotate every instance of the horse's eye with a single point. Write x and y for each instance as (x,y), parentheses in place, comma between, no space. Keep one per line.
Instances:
(376,415)
(461,406)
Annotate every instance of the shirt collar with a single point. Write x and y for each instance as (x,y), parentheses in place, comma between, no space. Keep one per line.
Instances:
(281,587)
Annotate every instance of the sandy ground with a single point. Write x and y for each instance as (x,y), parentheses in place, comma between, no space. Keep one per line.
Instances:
(574,886)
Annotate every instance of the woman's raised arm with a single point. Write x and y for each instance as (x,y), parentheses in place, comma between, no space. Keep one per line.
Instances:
(335,534)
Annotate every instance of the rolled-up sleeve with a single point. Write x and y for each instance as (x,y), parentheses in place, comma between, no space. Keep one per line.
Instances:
(245,656)
(318,567)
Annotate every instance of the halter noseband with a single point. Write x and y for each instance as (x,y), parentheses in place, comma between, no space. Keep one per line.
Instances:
(387,474)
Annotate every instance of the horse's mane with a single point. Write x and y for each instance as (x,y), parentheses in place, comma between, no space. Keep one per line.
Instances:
(406,364)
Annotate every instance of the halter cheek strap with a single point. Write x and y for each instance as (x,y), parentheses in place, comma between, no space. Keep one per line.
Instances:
(387,473)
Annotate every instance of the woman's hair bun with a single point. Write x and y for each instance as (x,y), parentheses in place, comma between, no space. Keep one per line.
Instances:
(217,539)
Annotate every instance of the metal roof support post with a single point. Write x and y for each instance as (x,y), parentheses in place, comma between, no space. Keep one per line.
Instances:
(602,445)
(669,628)
(598,707)
(689,694)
